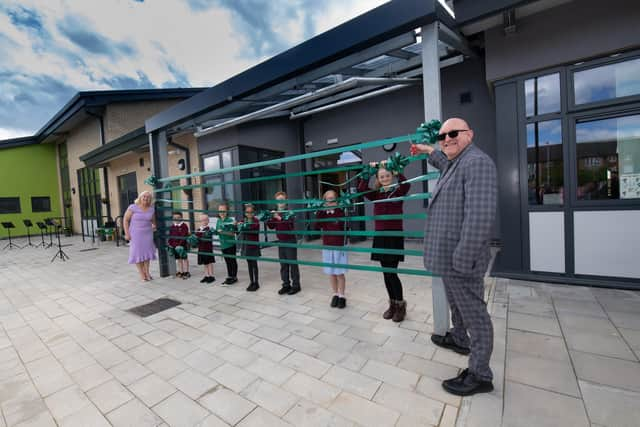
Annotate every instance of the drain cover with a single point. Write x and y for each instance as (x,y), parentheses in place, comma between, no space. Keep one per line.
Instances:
(154,307)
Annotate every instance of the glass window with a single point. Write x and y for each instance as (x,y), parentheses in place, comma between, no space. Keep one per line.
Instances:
(542,95)
(607,82)
(9,205)
(40,204)
(226,159)
(545,163)
(608,158)
(212,163)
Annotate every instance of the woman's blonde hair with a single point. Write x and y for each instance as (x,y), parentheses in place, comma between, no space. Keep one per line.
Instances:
(139,199)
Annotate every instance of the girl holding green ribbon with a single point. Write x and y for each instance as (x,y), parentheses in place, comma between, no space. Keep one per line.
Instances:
(385,190)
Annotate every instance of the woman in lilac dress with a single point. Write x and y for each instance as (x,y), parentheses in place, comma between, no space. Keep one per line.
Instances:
(139,225)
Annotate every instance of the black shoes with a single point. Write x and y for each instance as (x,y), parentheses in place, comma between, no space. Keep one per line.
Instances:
(466,384)
(446,341)
(334,301)
(210,279)
(284,289)
(288,290)
(294,290)
(186,275)
(342,302)
(229,281)
(253,287)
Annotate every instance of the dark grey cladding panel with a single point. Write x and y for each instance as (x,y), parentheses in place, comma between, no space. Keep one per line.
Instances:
(468,11)
(510,257)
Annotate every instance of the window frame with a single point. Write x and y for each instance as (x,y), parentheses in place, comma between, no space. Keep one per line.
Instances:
(12,212)
(40,197)
(590,65)
(599,114)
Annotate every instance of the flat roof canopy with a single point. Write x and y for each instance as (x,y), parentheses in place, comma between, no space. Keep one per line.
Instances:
(382,43)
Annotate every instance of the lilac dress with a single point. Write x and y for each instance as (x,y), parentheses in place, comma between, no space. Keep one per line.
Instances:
(141,247)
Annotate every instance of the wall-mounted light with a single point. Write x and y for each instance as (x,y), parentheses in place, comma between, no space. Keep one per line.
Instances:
(73,190)
(182,164)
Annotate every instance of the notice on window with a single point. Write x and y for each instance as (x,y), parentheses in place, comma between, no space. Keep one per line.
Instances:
(630,186)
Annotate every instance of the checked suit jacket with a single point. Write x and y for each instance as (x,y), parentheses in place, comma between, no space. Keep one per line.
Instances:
(461,214)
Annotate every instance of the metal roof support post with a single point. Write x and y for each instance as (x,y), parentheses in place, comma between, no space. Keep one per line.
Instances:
(433,110)
(158,144)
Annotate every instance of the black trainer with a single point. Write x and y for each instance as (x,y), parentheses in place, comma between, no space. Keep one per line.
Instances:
(294,290)
(334,301)
(253,287)
(446,341)
(342,302)
(468,385)
(205,279)
(284,289)
(210,279)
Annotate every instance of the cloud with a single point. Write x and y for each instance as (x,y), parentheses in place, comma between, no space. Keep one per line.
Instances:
(78,32)
(50,50)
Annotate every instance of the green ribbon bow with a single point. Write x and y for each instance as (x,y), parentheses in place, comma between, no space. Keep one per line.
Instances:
(428,132)
(152,181)
(180,251)
(344,200)
(368,171)
(263,216)
(193,240)
(396,163)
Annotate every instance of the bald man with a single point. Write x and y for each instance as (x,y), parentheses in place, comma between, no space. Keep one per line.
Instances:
(460,217)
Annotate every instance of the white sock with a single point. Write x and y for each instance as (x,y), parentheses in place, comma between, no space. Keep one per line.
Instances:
(341,295)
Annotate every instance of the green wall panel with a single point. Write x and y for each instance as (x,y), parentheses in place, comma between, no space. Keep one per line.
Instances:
(25,172)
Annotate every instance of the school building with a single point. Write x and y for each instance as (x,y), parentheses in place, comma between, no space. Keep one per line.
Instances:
(550,87)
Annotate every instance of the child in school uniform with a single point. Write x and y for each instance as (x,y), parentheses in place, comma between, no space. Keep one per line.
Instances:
(249,231)
(178,232)
(205,249)
(337,255)
(283,220)
(384,189)
(225,229)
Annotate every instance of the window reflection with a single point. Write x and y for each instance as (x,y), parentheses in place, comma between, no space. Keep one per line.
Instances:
(545,163)
(607,82)
(608,158)
(542,95)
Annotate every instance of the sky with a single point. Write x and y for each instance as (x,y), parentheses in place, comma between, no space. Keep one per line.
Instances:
(51,49)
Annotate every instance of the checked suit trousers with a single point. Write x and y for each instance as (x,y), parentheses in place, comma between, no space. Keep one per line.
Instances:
(470,318)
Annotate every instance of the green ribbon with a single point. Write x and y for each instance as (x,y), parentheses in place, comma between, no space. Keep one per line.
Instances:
(407,271)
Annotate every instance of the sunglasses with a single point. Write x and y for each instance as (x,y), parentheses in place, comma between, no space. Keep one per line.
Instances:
(452,134)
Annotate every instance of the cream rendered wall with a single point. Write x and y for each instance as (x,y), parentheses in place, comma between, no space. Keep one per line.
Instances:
(81,140)
(122,166)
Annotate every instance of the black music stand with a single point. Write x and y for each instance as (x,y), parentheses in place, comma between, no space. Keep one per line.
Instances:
(50,224)
(43,227)
(63,256)
(8,226)
(28,224)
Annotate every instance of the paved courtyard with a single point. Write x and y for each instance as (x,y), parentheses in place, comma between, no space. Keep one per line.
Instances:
(71,355)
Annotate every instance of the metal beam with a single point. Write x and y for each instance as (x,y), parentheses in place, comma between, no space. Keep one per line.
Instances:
(158,144)
(433,110)
(455,40)
(320,93)
(334,67)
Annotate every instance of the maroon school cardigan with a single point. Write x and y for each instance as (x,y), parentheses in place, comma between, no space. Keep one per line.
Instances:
(331,240)
(386,208)
(251,233)
(283,225)
(180,230)
(205,244)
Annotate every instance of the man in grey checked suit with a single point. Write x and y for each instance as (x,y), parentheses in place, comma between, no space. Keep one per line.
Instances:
(460,217)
